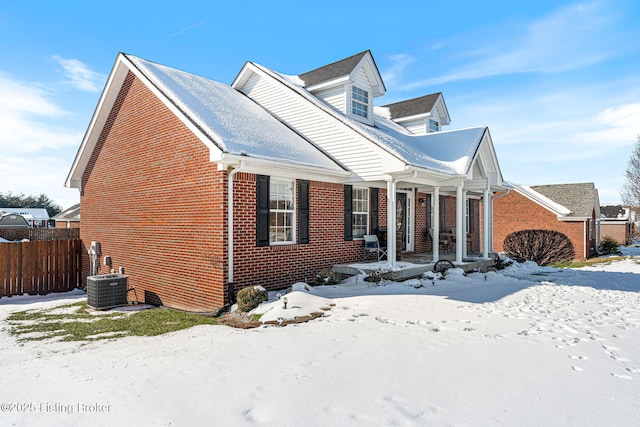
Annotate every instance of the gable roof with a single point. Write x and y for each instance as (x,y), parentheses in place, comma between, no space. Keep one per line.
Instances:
(540,199)
(613,213)
(342,68)
(581,199)
(36,214)
(224,119)
(72,213)
(331,71)
(449,152)
(413,107)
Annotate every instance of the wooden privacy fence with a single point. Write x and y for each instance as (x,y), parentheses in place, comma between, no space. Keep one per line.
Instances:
(40,267)
(40,233)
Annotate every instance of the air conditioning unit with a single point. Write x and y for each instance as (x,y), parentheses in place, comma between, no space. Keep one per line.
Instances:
(107,291)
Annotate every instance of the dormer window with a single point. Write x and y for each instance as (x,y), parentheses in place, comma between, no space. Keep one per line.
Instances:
(359,102)
(434,126)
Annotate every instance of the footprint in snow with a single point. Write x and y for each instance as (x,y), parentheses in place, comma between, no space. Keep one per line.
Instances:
(577,368)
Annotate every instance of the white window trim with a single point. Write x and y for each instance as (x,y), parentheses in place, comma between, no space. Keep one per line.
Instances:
(367,118)
(366,214)
(292,211)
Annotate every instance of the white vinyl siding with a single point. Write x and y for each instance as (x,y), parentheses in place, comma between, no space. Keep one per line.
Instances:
(334,97)
(355,152)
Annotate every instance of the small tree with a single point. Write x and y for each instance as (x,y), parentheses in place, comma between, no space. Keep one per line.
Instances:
(609,246)
(631,188)
(541,246)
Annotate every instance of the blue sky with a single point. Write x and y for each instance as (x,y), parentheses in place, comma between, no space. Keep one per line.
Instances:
(557,82)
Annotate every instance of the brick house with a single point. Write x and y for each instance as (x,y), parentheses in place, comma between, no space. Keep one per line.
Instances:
(617,222)
(572,209)
(68,218)
(270,179)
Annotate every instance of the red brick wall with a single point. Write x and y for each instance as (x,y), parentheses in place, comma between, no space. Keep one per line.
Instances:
(65,224)
(515,212)
(618,232)
(155,203)
(279,266)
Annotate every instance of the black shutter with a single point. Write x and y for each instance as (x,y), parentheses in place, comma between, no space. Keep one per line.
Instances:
(374,210)
(472,219)
(428,205)
(262,210)
(303,211)
(348,212)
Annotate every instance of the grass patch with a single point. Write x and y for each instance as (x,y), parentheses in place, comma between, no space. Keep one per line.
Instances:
(588,262)
(75,322)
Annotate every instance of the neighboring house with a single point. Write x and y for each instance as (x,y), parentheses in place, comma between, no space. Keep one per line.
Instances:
(10,221)
(68,218)
(36,217)
(617,222)
(271,179)
(572,209)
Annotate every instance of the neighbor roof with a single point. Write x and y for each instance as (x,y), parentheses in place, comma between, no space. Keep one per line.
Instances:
(617,212)
(413,107)
(333,70)
(72,213)
(37,214)
(581,199)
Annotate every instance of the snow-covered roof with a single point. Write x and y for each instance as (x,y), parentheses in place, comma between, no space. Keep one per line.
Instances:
(235,123)
(449,152)
(36,214)
(72,213)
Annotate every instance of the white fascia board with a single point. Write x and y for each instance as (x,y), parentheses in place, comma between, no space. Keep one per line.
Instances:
(440,102)
(370,69)
(340,81)
(560,211)
(98,119)
(280,168)
(109,95)
(414,117)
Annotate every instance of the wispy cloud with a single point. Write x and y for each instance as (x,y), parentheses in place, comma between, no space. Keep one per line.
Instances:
(394,71)
(36,147)
(79,75)
(569,38)
(188,28)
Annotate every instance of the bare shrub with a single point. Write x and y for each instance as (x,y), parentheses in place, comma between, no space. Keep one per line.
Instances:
(541,246)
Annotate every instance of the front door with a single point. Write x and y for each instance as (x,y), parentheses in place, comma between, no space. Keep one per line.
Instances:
(401,218)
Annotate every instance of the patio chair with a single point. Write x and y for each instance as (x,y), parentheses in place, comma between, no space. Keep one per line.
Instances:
(372,244)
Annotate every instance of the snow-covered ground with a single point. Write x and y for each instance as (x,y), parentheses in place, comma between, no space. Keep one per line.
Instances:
(529,346)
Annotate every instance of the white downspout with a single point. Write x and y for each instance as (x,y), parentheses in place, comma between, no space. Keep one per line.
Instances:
(230,217)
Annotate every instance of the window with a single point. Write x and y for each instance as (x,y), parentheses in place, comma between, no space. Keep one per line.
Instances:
(470,217)
(433,126)
(360,212)
(281,211)
(443,214)
(429,212)
(359,102)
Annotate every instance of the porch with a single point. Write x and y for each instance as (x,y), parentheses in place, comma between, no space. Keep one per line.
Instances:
(412,265)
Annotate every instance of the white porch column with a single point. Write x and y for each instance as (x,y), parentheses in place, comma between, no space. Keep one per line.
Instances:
(465,208)
(460,234)
(391,222)
(435,235)
(485,246)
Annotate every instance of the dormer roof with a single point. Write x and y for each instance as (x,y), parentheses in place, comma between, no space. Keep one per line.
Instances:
(345,68)
(420,106)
